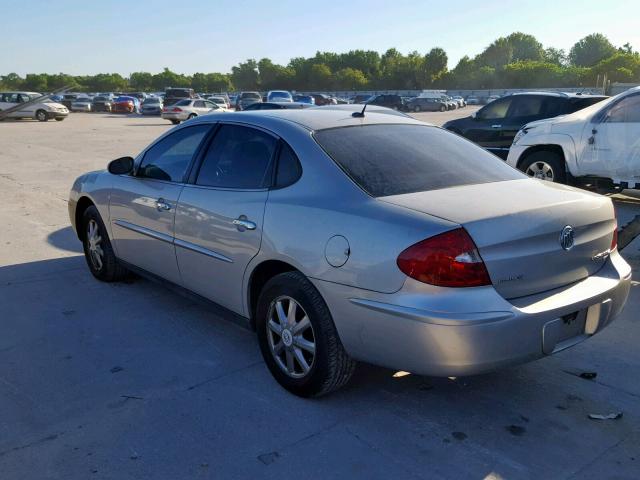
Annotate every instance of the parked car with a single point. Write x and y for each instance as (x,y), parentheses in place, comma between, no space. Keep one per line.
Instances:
(491,98)
(40,110)
(68,98)
(426,104)
(220,101)
(279,96)
(125,104)
(474,267)
(359,98)
(152,106)
(139,95)
(188,109)
(598,145)
(81,104)
(390,101)
(245,99)
(460,100)
(173,95)
(276,105)
(321,99)
(495,124)
(473,100)
(304,99)
(102,103)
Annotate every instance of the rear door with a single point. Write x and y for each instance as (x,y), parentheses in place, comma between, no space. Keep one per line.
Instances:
(142,207)
(220,213)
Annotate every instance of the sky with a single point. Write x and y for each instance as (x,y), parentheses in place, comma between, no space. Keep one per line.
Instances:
(188,36)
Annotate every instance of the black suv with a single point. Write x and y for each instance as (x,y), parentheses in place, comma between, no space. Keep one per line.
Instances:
(389,101)
(173,95)
(495,124)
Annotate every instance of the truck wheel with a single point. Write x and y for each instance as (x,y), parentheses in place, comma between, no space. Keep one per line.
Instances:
(545,165)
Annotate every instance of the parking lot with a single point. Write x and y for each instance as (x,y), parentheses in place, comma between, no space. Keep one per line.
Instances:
(131,380)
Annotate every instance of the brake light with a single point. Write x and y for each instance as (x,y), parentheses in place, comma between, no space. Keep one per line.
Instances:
(449,259)
(176,109)
(614,240)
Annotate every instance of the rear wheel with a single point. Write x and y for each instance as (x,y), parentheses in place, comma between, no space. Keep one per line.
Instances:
(298,338)
(175,122)
(98,252)
(41,115)
(193,115)
(545,165)
(417,108)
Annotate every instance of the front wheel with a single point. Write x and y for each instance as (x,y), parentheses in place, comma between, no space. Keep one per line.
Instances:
(545,165)
(298,338)
(443,108)
(417,109)
(42,116)
(98,252)
(59,119)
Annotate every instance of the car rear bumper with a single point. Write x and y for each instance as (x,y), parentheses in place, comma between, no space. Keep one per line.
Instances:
(436,331)
(175,115)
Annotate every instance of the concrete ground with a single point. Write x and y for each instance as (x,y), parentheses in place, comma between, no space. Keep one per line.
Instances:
(131,381)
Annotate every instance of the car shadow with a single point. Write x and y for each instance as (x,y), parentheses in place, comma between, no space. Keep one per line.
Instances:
(65,239)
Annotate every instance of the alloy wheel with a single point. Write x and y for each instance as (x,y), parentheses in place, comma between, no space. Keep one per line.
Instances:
(541,171)
(94,244)
(290,336)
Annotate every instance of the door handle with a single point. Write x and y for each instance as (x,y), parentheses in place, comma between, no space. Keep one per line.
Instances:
(243,224)
(496,126)
(162,205)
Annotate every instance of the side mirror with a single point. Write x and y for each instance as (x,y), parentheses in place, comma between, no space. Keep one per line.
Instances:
(121,166)
(474,114)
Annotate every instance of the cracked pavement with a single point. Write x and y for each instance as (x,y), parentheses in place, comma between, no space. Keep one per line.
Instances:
(132,381)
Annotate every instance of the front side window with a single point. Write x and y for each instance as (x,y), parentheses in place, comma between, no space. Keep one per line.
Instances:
(169,158)
(401,158)
(495,110)
(626,110)
(238,157)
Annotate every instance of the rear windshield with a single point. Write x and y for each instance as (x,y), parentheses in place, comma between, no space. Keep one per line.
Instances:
(396,159)
(579,103)
(250,95)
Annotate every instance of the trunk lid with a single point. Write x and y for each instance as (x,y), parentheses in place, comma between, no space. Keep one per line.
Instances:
(517,226)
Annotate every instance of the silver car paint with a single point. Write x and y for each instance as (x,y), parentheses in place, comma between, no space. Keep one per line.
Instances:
(381,315)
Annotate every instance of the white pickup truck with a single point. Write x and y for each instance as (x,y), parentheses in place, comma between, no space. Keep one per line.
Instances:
(598,146)
(41,111)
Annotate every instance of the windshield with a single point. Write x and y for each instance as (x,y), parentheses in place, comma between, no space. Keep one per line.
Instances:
(396,159)
(279,95)
(99,99)
(151,100)
(183,103)
(250,95)
(124,99)
(219,100)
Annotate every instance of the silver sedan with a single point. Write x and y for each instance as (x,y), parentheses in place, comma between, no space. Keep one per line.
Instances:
(341,237)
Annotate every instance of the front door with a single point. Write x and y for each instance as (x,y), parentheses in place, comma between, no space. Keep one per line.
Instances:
(219,217)
(612,143)
(142,207)
(487,126)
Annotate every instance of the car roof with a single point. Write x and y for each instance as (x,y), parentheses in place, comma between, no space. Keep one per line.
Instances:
(318,118)
(559,94)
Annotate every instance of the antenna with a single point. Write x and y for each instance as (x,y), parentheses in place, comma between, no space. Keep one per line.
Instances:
(360,114)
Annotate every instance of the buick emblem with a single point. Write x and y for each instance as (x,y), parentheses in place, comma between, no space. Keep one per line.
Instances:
(567,237)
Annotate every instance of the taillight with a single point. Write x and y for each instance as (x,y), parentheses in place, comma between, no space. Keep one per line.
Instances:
(176,109)
(450,259)
(614,240)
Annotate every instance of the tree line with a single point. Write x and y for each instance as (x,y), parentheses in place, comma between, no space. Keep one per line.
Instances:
(515,61)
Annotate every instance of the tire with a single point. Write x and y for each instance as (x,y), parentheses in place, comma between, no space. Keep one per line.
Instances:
(330,366)
(175,122)
(59,119)
(41,115)
(443,108)
(417,109)
(193,115)
(107,269)
(545,165)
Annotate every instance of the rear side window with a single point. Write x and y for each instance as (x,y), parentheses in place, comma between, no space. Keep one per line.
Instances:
(396,159)
(289,169)
(579,103)
(496,109)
